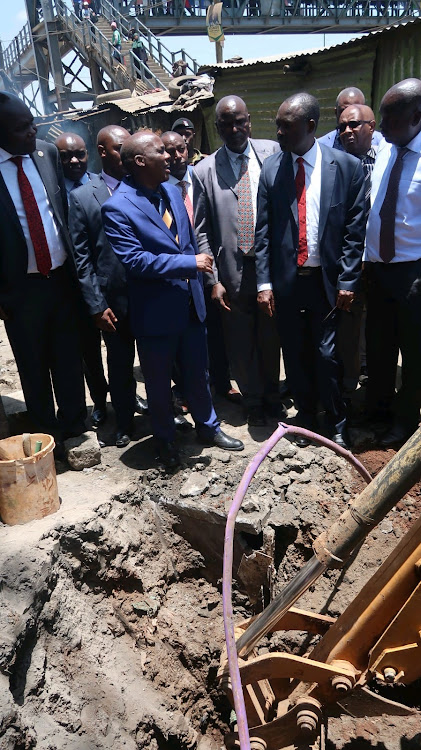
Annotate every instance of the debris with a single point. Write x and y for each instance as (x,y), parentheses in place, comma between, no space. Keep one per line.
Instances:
(83,451)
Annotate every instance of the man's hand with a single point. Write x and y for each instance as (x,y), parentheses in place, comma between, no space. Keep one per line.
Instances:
(220,296)
(3,314)
(344,300)
(266,302)
(204,262)
(105,320)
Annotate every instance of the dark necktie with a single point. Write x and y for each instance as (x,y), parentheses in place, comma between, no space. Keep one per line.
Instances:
(187,202)
(167,217)
(300,187)
(388,210)
(33,216)
(76,184)
(245,227)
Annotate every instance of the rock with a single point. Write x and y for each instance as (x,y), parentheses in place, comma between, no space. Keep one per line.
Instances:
(196,484)
(83,451)
(302,477)
(280,481)
(283,449)
(284,514)
(216,489)
(222,456)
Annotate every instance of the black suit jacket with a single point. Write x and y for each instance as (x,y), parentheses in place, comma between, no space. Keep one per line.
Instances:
(341,223)
(101,274)
(14,251)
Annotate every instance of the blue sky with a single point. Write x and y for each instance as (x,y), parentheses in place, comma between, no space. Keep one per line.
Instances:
(199,47)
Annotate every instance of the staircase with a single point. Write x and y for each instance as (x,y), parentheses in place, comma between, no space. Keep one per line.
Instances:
(157,70)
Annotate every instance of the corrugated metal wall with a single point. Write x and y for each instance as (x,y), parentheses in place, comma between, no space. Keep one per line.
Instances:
(265,86)
(373,63)
(398,57)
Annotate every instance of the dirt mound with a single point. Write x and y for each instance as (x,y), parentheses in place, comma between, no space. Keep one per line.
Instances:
(112,626)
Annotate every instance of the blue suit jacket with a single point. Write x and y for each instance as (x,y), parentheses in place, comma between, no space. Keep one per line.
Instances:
(157,266)
(341,223)
(329,139)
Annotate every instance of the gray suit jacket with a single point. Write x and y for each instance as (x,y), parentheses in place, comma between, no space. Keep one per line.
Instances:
(101,274)
(215,201)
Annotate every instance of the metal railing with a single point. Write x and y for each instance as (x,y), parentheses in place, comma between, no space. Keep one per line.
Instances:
(17,47)
(89,37)
(156,49)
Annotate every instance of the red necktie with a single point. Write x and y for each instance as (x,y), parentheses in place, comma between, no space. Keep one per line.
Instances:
(388,209)
(35,225)
(187,202)
(300,187)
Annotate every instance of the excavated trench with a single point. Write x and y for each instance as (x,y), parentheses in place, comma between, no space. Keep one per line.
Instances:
(112,627)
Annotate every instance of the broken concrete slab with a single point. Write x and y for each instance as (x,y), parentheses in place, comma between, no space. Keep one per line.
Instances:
(83,451)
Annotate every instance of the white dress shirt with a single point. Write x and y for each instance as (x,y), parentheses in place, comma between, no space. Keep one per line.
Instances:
(408,213)
(9,172)
(187,178)
(312,161)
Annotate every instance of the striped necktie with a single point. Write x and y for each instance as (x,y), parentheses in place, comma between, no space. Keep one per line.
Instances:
(245,221)
(186,198)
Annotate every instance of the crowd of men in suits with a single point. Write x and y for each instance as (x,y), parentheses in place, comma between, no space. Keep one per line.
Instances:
(305,245)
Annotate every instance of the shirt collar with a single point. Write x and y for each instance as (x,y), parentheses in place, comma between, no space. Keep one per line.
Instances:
(415,144)
(5,156)
(110,182)
(174,180)
(233,155)
(310,156)
(71,183)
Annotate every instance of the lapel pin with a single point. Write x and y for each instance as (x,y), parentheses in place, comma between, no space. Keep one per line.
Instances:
(40,153)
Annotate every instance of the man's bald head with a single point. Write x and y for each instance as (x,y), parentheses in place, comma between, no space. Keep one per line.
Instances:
(347,97)
(73,155)
(356,128)
(400,111)
(109,143)
(233,122)
(17,128)
(144,157)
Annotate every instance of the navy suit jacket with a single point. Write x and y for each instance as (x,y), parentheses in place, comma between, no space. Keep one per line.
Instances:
(101,275)
(161,272)
(341,223)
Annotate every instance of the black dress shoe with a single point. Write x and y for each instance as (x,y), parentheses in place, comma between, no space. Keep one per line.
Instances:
(182,424)
(122,439)
(256,416)
(301,441)
(276,411)
(340,439)
(221,440)
(233,396)
(141,406)
(168,454)
(99,415)
(396,436)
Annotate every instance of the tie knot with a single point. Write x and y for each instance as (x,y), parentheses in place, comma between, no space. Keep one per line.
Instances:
(402,150)
(300,160)
(16,160)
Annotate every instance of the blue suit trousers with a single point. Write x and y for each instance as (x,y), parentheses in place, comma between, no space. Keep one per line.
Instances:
(158,355)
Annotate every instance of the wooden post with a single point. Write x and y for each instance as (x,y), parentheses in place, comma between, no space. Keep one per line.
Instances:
(219,52)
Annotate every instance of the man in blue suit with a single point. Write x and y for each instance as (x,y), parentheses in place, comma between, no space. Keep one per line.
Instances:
(149,229)
(309,243)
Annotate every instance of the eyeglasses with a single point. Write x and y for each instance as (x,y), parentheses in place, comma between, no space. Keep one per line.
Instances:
(353,124)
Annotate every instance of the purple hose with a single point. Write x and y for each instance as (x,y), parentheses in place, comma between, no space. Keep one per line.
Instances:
(282,429)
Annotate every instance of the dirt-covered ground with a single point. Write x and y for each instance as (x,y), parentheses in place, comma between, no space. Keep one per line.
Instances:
(111,621)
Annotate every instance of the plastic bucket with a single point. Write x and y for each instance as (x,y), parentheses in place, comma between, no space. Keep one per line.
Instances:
(28,484)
